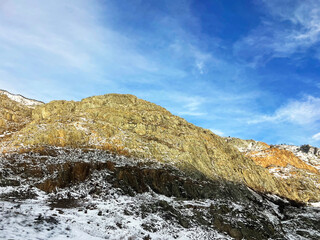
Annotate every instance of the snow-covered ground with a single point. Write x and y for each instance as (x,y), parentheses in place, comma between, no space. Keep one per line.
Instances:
(96,209)
(317,204)
(111,218)
(114,216)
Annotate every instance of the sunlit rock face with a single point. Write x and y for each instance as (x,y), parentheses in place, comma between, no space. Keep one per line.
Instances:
(297,166)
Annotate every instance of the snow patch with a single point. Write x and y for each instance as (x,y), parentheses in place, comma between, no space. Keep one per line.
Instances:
(316,204)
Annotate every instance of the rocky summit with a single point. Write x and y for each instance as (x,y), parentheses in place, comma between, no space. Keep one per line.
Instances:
(118,167)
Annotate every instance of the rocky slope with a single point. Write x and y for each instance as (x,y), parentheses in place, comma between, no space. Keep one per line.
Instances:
(298,166)
(154,174)
(15,112)
(31,103)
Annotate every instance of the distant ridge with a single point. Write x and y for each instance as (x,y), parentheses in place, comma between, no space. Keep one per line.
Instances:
(21,99)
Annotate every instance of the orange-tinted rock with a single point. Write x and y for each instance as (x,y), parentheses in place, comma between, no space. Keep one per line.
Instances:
(279,157)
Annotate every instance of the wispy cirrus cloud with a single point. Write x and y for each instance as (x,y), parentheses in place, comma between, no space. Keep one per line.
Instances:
(78,41)
(316,136)
(288,27)
(162,51)
(200,59)
(303,112)
(180,103)
(217,131)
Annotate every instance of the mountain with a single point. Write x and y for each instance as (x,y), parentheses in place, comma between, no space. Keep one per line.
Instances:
(155,175)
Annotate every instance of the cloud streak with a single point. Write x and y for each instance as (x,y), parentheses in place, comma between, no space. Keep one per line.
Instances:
(316,137)
(160,51)
(291,27)
(302,112)
(76,40)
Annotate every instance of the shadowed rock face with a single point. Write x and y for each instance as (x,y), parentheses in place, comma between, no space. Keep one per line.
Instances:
(129,126)
(233,209)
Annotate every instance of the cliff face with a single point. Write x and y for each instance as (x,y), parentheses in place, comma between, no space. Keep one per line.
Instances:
(126,125)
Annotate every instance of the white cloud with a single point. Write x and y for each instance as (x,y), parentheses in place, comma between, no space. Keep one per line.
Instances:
(189,105)
(70,47)
(191,113)
(292,26)
(316,136)
(179,103)
(184,47)
(68,35)
(60,30)
(201,59)
(75,44)
(216,131)
(303,112)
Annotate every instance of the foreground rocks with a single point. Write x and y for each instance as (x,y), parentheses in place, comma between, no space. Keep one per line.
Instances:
(71,176)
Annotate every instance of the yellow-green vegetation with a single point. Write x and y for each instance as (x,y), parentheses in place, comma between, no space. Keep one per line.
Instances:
(130,126)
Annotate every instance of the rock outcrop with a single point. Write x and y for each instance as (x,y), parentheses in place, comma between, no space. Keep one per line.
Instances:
(126,125)
(297,166)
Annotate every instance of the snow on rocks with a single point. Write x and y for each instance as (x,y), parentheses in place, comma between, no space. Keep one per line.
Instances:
(311,157)
(111,218)
(96,209)
(316,204)
(20,99)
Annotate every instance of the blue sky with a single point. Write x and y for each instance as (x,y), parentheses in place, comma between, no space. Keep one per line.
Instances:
(247,69)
